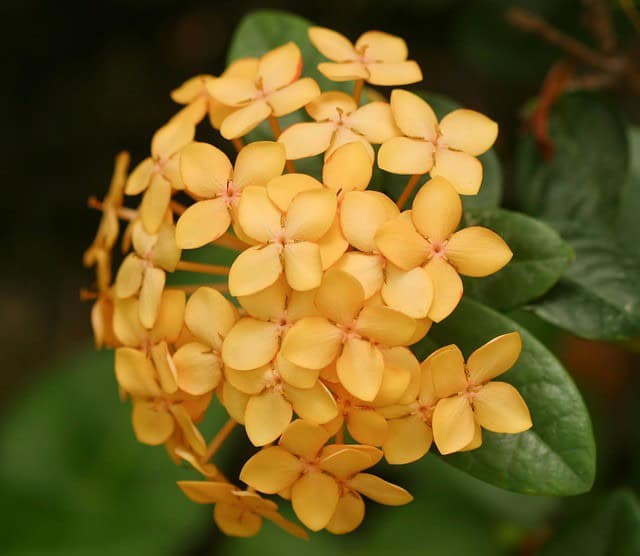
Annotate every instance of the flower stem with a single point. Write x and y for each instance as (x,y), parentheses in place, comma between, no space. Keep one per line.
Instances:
(221,287)
(230,242)
(215,269)
(357,90)
(238,143)
(408,190)
(218,439)
(87,295)
(340,435)
(275,129)
(123,213)
(177,208)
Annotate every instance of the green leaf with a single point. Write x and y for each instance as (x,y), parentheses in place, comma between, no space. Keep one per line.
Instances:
(540,256)
(76,479)
(490,193)
(628,229)
(608,527)
(557,456)
(599,294)
(585,178)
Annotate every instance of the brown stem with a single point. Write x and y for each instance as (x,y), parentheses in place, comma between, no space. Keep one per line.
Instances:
(238,143)
(218,439)
(340,435)
(231,242)
(357,90)
(215,269)
(177,208)
(88,295)
(221,287)
(408,190)
(123,213)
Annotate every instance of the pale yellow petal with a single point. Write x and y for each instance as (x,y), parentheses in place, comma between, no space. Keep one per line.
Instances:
(171,137)
(382,47)
(271,470)
(269,303)
(494,358)
(332,245)
(304,439)
(303,265)
(361,215)
(349,514)
(293,97)
(206,492)
(153,281)
(477,251)
(407,441)
(310,215)
(209,316)
(400,243)
(446,366)
(314,498)
(234,401)
(379,490)
(344,136)
(384,325)
(360,368)
(189,90)
(245,119)
(202,223)
(135,373)
(170,319)
(367,426)
(468,131)
(266,416)
(191,433)
(198,370)
(259,217)
(242,67)
(236,521)
(374,121)
(306,139)
(447,288)
(453,424)
(155,203)
(461,169)
(312,342)
(205,170)
(140,177)
(315,404)
(348,168)
(499,407)
(404,155)
(250,344)
(296,376)
(283,189)
(151,425)
(280,66)
(410,292)
(129,277)
(436,210)
(345,460)
(399,368)
(329,106)
(165,367)
(340,296)
(367,269)
(348,71)
(126,324)
(394,73)
(249,382)
(332,44)
(413,115)
(476,442)
(255,269)
(233,90)
(258,163)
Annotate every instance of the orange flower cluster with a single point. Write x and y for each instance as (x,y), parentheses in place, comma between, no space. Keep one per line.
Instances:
(331,283)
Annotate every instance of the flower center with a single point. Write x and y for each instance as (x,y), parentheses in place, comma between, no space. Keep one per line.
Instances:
(230,194)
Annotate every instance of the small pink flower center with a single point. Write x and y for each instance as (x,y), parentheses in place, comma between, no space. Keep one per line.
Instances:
(230,194)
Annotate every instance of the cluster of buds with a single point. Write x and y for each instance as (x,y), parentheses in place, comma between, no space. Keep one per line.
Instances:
(306,345)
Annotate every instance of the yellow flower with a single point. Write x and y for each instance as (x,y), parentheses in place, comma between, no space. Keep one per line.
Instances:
(349,331)
(209,176)
(426,237)
(325,482)
(276,90)
(196,96)
(142,273)
(286,234)
(448,149)
(338,121)
(237,512)
(470,399)
(378,58)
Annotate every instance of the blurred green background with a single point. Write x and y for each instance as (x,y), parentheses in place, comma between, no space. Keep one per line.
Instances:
(83,81)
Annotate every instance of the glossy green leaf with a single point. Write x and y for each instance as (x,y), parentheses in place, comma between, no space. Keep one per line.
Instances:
(490,193)
(599,294)
(608,526)
(557,456)
(540,256)
(628,228)
(588,172)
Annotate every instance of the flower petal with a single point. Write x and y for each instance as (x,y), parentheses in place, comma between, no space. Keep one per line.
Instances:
(477,251)
(296,376)
(266,416)
(436,210)
(255,269)
(453,424)
(413,115)
(150,295)
(499,407)
(384,325)
(447,288)
(382,47)
(332,245)
(250,344)
(332,44)
(344,136)
(205,170)
(468,131)
(140,177)
(367,269)
(401,375)
(408,440)
(361,215)
(135,373)
(367,426)
(340,296)
(249,382)
(245,119)
(348,168)
(315,404)
(346,71)
(349,514)
(461,169)
(234,401)
(271,470)
(446,366)
(374,121)
(310,214)
(360,368)
(494,358)
(198,369)
(410,292)
(202,223)
(293,97)
(314,498)
(269,303)
(304,439)
(344,461)
(233,90)
(165,367)
(312,342)
(258,163)
(209,316)
(397,73)
(259,217)
(400,243)
(189,430)
(129,277)
(403,155)
(206,492)
(306,139)
(171,137)
(155,203)
(150,425)
(283,189)
(280,66)
(379,490)
(329,106)
(303,265)
(236,521)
